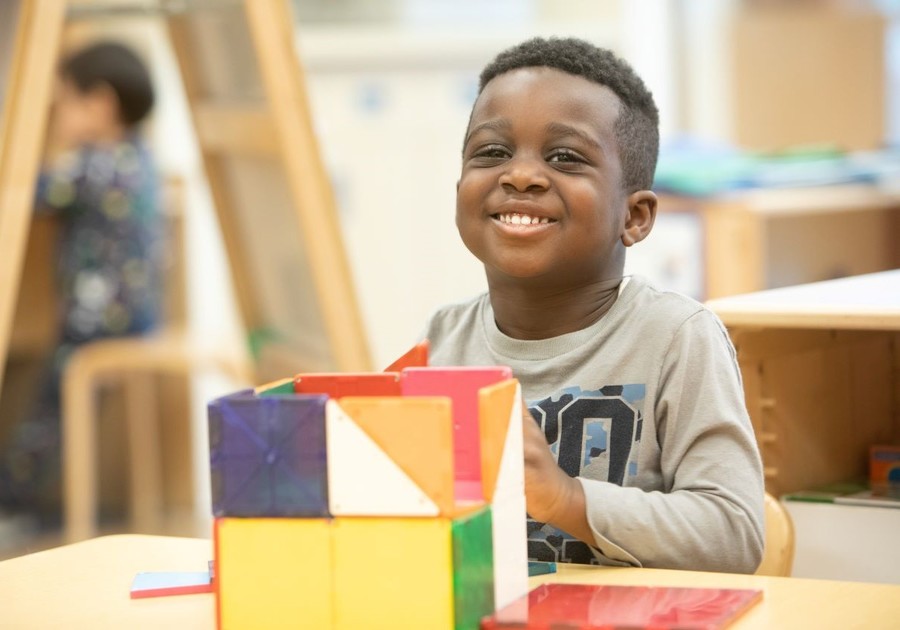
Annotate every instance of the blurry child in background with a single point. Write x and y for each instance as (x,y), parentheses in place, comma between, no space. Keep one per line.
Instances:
(102,184)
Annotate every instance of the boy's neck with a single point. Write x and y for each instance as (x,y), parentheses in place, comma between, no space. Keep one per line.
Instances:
(524,313)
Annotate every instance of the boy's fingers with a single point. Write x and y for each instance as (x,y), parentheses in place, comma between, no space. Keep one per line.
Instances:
(543,477)
(537,452)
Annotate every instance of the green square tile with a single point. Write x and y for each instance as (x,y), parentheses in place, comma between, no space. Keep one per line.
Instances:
(473,568)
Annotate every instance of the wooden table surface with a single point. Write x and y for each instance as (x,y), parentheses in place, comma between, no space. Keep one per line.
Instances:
(86,585)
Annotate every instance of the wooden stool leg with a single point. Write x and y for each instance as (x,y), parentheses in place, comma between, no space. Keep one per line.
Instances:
(79,434)
(144,452)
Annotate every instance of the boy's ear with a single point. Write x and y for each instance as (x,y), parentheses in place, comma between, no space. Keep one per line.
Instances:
(641,215)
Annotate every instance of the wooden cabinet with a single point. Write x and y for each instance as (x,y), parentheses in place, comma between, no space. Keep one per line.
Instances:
(821,370)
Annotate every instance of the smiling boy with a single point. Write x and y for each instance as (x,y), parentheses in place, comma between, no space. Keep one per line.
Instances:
(652,459)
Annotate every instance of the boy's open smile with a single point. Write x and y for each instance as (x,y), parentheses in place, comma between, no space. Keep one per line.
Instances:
(521,218)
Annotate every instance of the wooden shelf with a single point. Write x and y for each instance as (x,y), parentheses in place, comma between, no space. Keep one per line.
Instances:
(761,239)
(821,370)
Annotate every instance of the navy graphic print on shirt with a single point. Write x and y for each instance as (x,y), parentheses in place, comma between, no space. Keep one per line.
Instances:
(593,434)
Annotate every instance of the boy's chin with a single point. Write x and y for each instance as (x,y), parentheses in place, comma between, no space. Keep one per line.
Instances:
(523,273)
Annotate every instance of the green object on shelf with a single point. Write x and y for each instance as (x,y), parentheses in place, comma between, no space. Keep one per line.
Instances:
(827,493)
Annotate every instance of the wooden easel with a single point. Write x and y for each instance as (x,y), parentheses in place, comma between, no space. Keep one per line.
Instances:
(272,197)
(34,28)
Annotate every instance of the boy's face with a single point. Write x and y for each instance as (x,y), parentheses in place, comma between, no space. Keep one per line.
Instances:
(540,195)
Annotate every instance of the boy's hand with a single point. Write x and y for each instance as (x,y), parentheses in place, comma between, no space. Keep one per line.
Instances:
(547,487)
(551,496)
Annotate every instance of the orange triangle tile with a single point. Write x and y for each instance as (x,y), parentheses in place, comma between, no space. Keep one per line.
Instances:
(495,404)
(417,356)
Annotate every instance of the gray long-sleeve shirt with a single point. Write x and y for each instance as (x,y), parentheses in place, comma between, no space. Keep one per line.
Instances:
(646,408)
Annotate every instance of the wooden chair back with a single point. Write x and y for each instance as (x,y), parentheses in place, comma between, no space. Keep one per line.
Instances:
(778,555)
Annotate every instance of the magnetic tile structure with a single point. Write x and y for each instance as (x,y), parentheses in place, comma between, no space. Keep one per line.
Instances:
(382,500)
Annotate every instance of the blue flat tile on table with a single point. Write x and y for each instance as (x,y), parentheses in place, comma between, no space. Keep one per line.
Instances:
(268,455)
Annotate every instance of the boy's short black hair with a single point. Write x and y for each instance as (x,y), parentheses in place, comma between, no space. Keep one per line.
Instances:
(637,127)
(119,68)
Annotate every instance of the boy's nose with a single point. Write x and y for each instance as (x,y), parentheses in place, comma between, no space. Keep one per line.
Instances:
(524,174)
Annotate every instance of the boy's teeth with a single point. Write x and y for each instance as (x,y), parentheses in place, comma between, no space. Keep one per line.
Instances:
(522,219)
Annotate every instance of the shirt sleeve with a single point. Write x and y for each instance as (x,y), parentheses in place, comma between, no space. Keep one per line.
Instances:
(710,514)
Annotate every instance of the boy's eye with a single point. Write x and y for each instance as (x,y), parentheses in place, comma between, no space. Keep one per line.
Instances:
(491,152)
(564,155)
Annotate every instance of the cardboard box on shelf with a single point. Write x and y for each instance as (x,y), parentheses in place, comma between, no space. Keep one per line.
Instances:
(808,73)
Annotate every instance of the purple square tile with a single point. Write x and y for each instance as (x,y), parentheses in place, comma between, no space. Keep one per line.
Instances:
(268,456)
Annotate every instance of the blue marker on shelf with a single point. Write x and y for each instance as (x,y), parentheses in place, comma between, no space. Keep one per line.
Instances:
(540,568)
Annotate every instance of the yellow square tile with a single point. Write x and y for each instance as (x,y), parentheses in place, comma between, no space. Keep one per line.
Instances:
(393,573)
(273,573)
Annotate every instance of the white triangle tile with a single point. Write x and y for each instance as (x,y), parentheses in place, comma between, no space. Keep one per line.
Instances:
(509,530)
(511,475)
